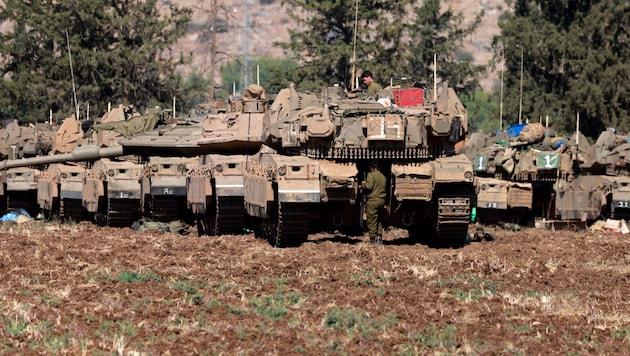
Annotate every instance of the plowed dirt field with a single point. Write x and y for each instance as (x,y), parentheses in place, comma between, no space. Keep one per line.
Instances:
(83,289)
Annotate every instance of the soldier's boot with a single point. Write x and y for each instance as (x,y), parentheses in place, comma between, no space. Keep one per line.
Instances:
(379,240)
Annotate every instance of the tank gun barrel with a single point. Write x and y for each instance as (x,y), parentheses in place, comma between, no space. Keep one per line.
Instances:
(85,153)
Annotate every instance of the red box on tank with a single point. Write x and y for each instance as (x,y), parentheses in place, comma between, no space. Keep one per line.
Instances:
(408,97)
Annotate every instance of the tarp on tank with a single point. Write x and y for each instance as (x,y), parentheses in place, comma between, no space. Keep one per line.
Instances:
(133,126)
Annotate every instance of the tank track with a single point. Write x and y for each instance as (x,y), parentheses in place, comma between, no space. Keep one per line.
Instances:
(26,200)
(229,215)
(71,209)
(453,219)
(120,212)
(619,213)
(289,228)
(165,208)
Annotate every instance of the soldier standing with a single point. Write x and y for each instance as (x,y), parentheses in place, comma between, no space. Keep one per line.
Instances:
(376,183)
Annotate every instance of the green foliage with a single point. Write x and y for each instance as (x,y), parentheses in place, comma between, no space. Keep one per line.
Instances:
(119,51)
(469,287)
(440,33)
(15,326)
(389,42)
(132,277)
(622,333)
(270,306)
(272,73)
(355,321)
(575,60)
(433,337)
(483,113)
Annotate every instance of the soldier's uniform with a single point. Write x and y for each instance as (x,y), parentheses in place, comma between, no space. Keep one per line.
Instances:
(376,183)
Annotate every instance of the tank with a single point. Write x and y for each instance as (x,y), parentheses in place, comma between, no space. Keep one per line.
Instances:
(499,197)
(18,141)
(112,192)
(59,191)
(284,168)
(164,187)
(318,150)
(216,194)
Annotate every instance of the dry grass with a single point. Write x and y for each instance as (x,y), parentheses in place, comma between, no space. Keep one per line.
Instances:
(77,289)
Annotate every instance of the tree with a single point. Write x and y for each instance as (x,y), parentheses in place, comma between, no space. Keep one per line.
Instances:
(575,60)
(324,41)
(216,21)
(272,73)
(394,39)
(119,50)
(440,33)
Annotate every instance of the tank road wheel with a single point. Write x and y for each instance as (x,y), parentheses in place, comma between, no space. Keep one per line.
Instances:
(289,227)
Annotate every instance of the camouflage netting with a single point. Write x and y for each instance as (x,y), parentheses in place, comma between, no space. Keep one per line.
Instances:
(254,91)
(532,133)
(199,188)
(93,189)
(133,126)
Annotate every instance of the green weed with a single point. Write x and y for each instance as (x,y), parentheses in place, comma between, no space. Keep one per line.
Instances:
(433,337)
(272,307)
(132,277)
(57,343)
(16,326)
(622,333)
(226,287)
(185,287)
(50,300)
(235,311)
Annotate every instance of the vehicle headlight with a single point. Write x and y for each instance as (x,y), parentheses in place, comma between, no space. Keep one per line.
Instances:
(468,174)
(154,168)
(111,172)
(64,175)
(484,187)
(282,170)
(218,168)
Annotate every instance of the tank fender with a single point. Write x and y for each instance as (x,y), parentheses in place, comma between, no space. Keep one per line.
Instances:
(229,186)
(299,191)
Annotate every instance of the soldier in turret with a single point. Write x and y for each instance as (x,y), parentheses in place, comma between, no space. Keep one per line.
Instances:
(372,86)
(376,183)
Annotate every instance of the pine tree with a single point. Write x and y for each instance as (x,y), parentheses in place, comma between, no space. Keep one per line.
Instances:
(393,39)
(119,51)
(575,60)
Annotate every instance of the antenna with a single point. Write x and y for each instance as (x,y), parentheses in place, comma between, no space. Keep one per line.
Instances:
(74,90)
(501,94)
(435,77)
(355,82)
(520,104)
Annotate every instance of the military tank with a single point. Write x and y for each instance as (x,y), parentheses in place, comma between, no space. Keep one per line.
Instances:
(318,145)
(299,161)
(499,198)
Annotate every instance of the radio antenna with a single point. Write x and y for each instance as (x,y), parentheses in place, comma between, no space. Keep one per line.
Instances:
(74,90)
(355,83)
